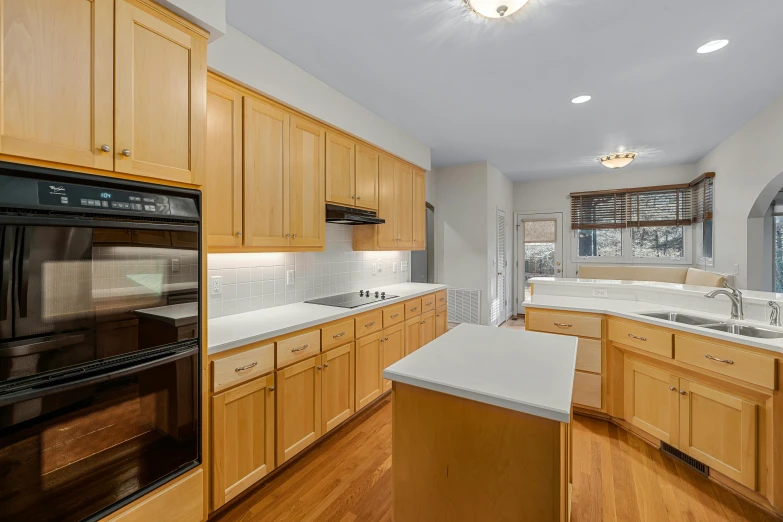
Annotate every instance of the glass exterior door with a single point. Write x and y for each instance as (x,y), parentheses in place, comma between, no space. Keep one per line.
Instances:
(540,247)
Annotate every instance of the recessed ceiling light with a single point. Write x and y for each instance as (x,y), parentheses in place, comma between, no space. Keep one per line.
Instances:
(617,160)
(496,8)
(712,46)
(582,99)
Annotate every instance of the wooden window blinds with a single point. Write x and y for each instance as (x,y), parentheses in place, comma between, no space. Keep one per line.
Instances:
(667,205)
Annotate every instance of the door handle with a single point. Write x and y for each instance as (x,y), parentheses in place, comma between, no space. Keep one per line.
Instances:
(6,268)
(24,271)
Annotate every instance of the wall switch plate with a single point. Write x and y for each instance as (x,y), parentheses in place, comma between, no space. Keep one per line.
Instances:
(175,265)
(215,285)
(374,268)
(404,266)
(289,277)
(394,267)
(601,292)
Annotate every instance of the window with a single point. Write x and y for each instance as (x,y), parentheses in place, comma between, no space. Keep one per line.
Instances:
(668,242)
(607,242)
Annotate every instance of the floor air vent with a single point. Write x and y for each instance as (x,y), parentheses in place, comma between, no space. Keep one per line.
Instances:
(686,459)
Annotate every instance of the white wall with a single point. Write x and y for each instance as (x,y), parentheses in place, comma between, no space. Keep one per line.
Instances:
(207,14)
(551,195)
(500,196)
(244,60)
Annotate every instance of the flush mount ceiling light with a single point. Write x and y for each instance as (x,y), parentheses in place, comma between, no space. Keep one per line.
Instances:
(582,99)
(496,8)
(617,160)
(711,47)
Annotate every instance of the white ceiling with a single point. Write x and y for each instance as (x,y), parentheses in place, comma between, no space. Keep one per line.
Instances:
(500,90)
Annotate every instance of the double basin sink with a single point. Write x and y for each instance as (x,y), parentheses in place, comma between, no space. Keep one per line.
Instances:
(711,324)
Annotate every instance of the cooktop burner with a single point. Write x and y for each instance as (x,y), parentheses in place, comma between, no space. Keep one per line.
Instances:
(353,299)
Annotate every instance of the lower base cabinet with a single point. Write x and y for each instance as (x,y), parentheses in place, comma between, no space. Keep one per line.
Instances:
(337,386)
(298,407)
(369,383)
(441,321)
(392,349)
(652,401)
(412,335)
(427,328)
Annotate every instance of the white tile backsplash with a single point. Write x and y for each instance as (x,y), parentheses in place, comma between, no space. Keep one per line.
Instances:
(256,281)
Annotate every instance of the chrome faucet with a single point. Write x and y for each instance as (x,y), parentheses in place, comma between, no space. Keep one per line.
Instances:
(735,295)
(774,315)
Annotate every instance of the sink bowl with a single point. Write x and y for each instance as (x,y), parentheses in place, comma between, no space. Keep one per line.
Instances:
(680,318)
(747,331)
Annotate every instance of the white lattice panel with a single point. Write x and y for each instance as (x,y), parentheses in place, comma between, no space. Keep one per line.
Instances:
(464,305)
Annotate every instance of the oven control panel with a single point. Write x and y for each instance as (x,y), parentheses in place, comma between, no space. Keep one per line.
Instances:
(94,198)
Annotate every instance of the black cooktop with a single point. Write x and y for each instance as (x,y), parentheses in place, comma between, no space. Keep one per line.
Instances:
(353,299)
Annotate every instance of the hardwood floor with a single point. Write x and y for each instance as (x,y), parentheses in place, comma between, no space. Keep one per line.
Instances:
(617,477)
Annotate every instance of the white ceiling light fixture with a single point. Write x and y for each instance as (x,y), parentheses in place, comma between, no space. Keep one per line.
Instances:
(617,160)
(582,99)
(496,8)
(711,47)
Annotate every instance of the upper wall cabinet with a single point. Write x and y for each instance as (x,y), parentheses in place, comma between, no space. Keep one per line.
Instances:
(367,166)
(340,170)
(419,210)
(306,185)
(117,86)
(57,76)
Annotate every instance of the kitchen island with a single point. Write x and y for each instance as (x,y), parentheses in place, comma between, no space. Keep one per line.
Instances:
(481,427)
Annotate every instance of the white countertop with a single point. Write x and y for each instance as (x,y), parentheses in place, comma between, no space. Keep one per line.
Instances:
(518,370)
(232,331)
(632,309)
(177,315)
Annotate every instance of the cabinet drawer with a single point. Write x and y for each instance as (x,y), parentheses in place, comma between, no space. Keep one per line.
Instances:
(368,323)
(565,323)
(336,335)
(587,389)
(412,308)
(642,337)
(440,298)
(745,366)
(298,348)
(393,315)
(428,303)
(588,355)
(242,367)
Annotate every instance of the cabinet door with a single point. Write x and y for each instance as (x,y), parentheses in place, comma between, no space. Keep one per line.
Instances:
(298,407)
(223,179)
(720,430)
(441,321)
(392,349)
(403,201)
(337,393)
(340,170)
(369,385)
(427,328)
(387,233)
(366,177)
(412,335)
(160,96)
(266,175)
(243,435)
(652,401)
(306,184)
(57,75)
(419,210)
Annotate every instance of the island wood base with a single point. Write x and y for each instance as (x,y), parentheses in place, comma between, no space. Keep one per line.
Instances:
(456,459)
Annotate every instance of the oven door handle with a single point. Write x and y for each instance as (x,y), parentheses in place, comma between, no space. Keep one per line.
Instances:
(24,270)
(76,382)
(65,221)
(20,349)
(6,268)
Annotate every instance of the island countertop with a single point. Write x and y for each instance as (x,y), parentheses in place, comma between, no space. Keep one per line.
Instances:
(518,370)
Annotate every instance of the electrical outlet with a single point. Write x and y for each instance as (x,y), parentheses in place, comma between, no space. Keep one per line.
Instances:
(394,267)
(215,284)
(404,266)
(736,269)
(374,269)
(289,277)
(175,265)
(601,293)
(380,265)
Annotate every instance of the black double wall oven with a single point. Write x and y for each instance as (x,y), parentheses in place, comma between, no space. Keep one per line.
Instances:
(99,391)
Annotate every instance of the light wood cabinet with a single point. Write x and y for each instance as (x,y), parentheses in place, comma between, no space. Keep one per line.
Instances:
(412,335)
(243,434)
(57,81)
(369,383)
(419,210)
(651,401)
(160,93)
(427,328)
(298,407)
(337,386)
(387,210)
(367,164)
(306,185)
(441,321)
(403,203)
(392,349)
(720,430)
(340,170)
(223,179)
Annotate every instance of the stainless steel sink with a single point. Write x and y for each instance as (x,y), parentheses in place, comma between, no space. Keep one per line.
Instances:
(747,331)
(680,318)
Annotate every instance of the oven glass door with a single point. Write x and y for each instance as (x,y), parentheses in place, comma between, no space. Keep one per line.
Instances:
(75,294)
(72,448)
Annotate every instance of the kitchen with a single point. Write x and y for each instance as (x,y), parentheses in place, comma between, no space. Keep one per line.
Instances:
(253,277)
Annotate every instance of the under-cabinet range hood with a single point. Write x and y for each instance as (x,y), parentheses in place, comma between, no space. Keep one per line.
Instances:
(352,216)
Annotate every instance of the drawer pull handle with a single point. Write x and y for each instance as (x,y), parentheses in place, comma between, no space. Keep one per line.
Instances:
(414,308)
(242,368)
(300,348)
(369,324)
(442,299)
(563,325)
(427,304)
(632,336)
(393,316)
(335,336)
(711,358)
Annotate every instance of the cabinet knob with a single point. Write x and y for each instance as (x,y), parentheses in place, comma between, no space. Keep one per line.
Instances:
(105,148)
(318,367)
(126,153)
(358,197)
(326,365)
(271,388)
(672,388)
(288,235)
(239,234)
(683,392)
(293,237)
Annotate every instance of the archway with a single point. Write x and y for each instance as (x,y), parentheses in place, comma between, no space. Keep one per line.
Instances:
(761,231)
